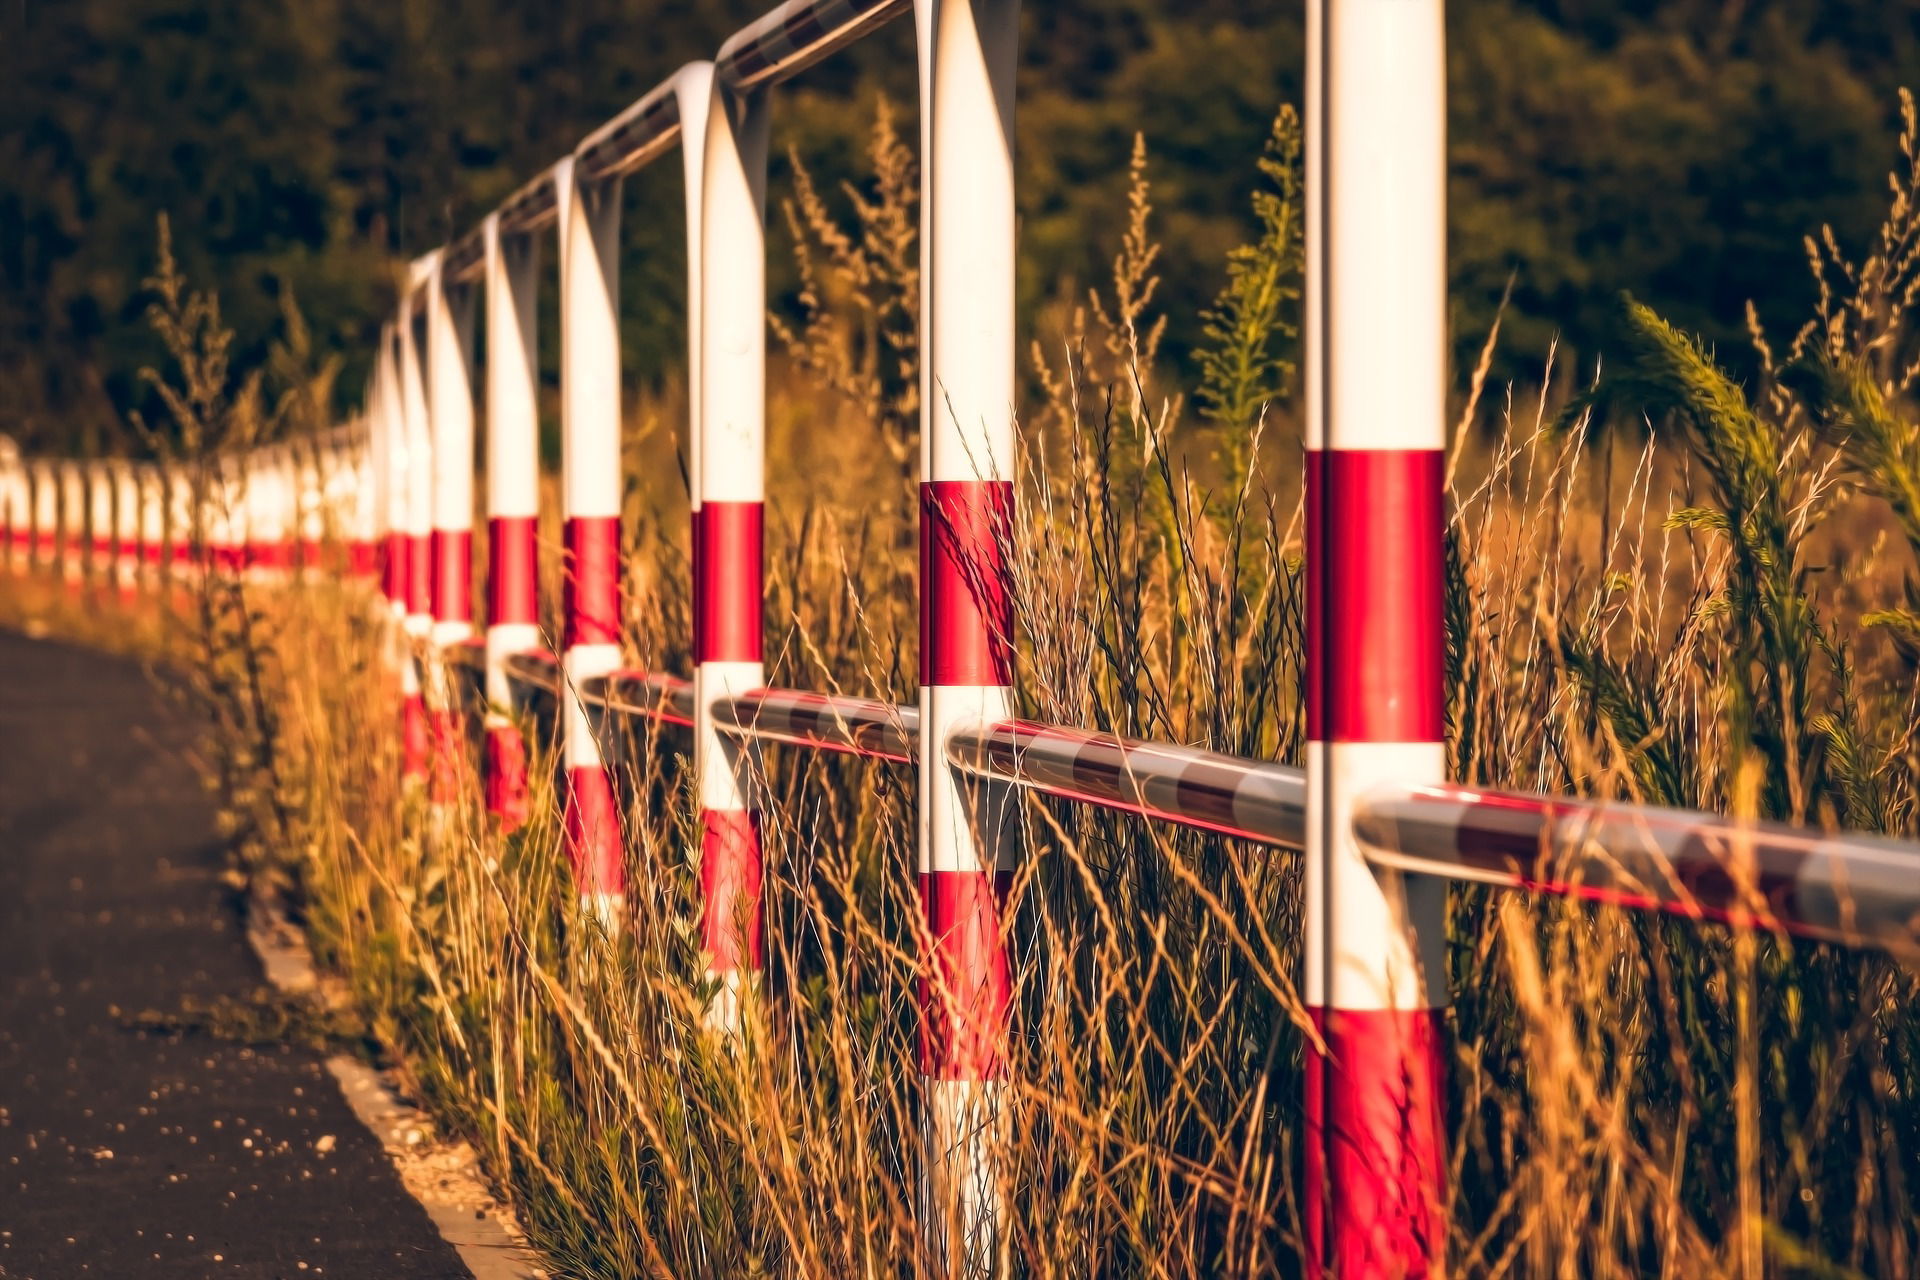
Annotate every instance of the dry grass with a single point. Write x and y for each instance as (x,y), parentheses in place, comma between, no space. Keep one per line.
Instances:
(1700,602)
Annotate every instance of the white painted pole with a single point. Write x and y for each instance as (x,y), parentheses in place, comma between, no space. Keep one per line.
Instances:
(725,141)
(14,505)
(73,521)
(390,472)
(449,333)
(1375,950)
(126,526)
(513,503)
(590,493)
(450,395)
(967,840)
(417,426)
(19,508)
(46,513)
(99,518)
(417,625)
(153,524)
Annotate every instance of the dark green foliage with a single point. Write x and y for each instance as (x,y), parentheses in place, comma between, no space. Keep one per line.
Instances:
(1253,325)
(1680,150)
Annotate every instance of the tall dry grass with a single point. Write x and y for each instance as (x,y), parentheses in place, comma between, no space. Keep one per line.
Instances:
(1677,590)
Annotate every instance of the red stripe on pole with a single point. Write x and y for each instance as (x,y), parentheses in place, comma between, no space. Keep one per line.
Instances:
(413,735)
(1375,595)
(365,558)
(419,574)
(513,572)
(590,585)
(1376,1144)
(592,829)
(965,990)
(730,886)
(396,566)
(728,537)
(449,737)
(505,762)
(966,614)
(451,552)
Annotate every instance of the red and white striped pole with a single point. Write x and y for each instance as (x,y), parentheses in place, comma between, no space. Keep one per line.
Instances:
(513,503)
(967,837)
(354,497)
(589,216)
(46,514)
(99,519)
(16,521)
(126,527)
(180,530)
(724,138)
(390,474)
(450,395)
(417,625)
(1376,1188)
(309,506)
(73,522)
(153,524)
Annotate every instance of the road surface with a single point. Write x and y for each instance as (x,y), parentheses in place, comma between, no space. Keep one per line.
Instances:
(125,1153)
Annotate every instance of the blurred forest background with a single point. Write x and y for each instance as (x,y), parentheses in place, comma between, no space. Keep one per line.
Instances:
(303,148)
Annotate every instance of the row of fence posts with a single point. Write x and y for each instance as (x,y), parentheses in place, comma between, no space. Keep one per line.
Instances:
(281,513)
(400,479)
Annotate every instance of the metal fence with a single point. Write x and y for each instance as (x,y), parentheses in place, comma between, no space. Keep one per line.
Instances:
(388,498)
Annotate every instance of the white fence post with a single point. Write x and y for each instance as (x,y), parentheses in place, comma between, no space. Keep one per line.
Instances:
(46,514)
(449,326)
(589,216)
(126,526)
(724,138)
(513,503)
(416,424)
(1375,963)
(967,836)
(153,524)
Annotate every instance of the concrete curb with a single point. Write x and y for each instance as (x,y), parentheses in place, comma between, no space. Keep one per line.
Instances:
(488,1243)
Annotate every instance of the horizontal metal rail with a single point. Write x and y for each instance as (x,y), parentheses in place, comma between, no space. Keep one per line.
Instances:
(1854,889)
(1851,889)
(640,693)
(1186,786)
(828,722)
(796,35)
(536,670)
(531,208)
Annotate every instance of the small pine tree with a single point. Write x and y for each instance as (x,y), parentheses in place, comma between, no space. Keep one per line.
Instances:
(1252,328)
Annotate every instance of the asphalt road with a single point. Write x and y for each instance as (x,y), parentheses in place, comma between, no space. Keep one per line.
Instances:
(125,1153)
